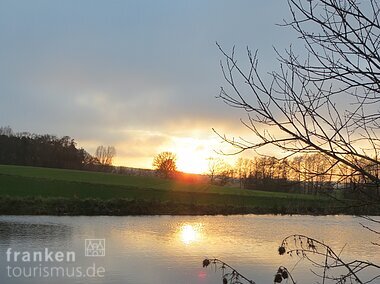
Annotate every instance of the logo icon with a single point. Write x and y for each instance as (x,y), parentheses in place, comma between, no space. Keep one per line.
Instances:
(95,247)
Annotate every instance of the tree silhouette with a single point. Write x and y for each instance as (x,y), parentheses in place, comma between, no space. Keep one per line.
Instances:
(105,155)
(326,102)
(39,150)
(219,171)
(165,164)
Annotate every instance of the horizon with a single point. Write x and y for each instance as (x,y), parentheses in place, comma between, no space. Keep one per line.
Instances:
(123,74)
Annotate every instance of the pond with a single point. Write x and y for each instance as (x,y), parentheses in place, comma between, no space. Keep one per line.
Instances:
(168,249)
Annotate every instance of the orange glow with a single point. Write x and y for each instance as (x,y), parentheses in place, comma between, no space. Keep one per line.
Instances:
(192,153)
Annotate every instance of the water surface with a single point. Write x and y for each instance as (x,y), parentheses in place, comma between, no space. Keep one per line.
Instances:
(170,249)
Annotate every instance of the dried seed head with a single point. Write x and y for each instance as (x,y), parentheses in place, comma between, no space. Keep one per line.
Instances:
(278,278)
(281,250)
(284,274)
(206,262)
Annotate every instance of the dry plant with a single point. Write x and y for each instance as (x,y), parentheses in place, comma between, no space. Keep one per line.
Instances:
(326,263)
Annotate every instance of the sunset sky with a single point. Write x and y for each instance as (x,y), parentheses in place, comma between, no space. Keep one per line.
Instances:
(138,75)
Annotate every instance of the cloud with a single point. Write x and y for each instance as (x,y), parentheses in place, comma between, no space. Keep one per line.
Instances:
(136,75)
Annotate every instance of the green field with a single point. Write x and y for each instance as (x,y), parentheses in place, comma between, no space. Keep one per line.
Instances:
(43,184)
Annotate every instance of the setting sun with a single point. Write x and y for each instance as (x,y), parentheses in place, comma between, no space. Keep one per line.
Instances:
(192,154)
(191,162)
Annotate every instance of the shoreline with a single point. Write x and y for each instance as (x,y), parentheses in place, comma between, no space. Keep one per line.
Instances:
(125,207)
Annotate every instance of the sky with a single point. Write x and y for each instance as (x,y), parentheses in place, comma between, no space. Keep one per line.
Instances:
(141,76)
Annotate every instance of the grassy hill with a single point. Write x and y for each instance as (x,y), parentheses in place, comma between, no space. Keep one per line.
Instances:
(31,185)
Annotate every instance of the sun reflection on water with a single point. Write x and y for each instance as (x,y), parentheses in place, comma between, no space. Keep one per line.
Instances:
(190,233)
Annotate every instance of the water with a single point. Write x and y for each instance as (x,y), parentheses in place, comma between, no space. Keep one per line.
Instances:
(170,249)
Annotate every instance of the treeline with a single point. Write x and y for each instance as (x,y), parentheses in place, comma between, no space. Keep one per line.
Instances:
(42,151)
(308,173)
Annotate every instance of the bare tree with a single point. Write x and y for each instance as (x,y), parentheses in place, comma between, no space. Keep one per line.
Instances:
(219,171)
(244,169)
(105,155)
(165,164)
(6,130)
(327,102)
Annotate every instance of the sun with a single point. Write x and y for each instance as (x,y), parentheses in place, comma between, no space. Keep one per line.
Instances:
(192,154)
(191,162)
